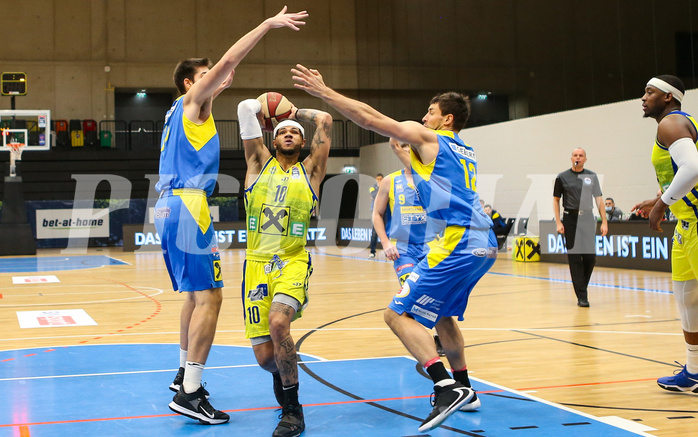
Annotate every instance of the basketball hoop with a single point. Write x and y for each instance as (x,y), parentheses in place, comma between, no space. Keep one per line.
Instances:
(15,155)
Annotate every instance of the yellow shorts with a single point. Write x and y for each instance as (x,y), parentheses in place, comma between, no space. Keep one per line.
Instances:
(263,280)
(684,252)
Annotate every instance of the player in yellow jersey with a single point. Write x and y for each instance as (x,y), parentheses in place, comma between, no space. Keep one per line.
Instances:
(280,195)
(444,169)
(675,160)
(188,171)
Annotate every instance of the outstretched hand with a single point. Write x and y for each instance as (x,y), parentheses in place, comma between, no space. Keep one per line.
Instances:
(309,80)
(292,20)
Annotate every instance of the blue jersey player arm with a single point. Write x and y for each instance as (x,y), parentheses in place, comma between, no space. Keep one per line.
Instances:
(424,141)
(197,100)
(380,205)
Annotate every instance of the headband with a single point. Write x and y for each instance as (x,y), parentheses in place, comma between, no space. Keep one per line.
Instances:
(289,123)
(663,86)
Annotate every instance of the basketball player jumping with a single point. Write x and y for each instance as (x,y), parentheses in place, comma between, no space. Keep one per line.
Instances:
(280,195)
(189,159)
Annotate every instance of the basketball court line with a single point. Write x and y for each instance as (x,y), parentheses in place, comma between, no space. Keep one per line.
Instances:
(401,394)
(56,263)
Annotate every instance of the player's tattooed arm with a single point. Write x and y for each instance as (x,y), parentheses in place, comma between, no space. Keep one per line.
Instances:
(320,145)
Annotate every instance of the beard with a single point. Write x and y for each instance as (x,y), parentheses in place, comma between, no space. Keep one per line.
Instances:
(288,152)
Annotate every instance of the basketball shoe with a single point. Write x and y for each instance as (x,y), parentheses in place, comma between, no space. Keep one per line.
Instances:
(195,406)
(292,423)
(681,381)
(448,397)
(473,404)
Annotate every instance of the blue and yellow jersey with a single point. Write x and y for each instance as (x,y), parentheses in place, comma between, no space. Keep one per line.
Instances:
(405,219)
(448,186)
(665,168)
(189,152)
(278,206)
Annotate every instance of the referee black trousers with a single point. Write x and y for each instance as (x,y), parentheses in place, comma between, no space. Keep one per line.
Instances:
(580,240)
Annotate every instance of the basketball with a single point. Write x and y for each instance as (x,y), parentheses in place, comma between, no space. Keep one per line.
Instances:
(275,108)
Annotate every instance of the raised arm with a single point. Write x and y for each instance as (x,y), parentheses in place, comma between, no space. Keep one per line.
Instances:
(202,91)
(256,154)
(420,137)
(380,204)
(226,84)
(316,162)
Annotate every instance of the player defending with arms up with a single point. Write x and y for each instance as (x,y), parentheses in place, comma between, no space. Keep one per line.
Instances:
(675,160)
(445,172)
(280,195)
(189,161)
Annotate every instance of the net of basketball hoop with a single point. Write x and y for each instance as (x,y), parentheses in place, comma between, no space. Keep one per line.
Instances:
(15,140)
(15,155)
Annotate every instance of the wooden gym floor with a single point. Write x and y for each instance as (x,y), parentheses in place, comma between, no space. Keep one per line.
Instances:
(523,329)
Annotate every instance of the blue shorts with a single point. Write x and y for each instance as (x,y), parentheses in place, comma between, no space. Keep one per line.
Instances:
(404,266)
(440,284)
(189,246)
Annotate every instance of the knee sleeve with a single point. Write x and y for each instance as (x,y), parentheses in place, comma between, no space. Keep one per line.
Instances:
(686,295)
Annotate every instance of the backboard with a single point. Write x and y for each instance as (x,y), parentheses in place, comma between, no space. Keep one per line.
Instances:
(37,122)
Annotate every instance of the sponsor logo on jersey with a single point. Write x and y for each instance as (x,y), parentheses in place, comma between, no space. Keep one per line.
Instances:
(479,251)
(418,311)
(162,213)
(587,181)
(414,277)
(679,238)
(399,268)
(217,272)
(462,150)
(425,300)
(258,293)
(295,173)
(404,291)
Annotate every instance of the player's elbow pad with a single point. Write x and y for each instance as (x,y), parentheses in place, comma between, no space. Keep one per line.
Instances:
(247,117)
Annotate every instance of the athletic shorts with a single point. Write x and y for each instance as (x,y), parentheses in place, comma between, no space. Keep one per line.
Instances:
(684,251)
(404,266)
(189,246)
(264,279)
(441,283)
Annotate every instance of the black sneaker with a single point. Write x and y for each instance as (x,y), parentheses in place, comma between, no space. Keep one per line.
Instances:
(446,401)
(179,379)
(278,388)
(583,303)
(473,404)
(292,423)
(195,406)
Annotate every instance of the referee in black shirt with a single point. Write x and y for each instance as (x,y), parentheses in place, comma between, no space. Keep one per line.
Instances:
(579,188)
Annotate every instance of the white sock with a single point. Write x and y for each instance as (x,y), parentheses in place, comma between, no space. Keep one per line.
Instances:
(192,376)
(692,358)
(182,358)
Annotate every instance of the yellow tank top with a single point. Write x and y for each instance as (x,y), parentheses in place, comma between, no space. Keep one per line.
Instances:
(665,168)
(278,206)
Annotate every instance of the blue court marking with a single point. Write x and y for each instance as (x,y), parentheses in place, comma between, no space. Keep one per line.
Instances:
(56,263)
(122,390)
(513,275)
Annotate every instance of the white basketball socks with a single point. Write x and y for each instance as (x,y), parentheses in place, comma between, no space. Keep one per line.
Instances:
(692,358)
(192,376)
(182,358)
